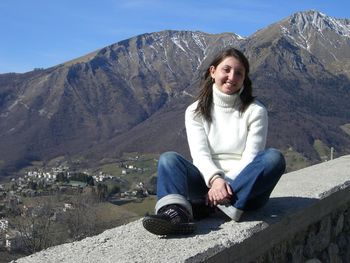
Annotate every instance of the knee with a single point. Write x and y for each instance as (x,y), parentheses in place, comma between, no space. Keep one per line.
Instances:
(275,160)
(168,159)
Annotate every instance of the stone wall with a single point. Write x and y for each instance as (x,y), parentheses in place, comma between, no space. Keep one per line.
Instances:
(327,240)
(306,220)
(318,233)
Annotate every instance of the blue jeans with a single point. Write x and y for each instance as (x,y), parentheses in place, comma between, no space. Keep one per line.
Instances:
(179,181)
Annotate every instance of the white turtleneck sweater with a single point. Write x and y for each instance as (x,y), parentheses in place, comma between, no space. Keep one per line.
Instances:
(230,142)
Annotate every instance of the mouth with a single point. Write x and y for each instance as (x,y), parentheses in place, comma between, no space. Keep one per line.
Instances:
(230,85)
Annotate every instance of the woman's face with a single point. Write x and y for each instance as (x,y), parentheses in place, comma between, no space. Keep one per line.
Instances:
(228,75)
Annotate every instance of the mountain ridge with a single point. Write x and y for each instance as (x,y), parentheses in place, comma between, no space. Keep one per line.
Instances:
(110,100)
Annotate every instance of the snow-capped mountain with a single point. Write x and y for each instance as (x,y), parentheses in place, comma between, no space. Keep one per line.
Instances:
(325,37)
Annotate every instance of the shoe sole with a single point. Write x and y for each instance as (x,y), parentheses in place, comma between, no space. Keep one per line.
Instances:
(162,227)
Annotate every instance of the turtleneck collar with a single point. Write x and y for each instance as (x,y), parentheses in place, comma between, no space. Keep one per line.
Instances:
(224,100)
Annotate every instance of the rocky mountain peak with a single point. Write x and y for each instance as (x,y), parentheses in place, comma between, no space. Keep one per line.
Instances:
(320,36)
(304,21)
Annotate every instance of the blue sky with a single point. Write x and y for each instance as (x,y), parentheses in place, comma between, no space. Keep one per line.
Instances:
(44,33)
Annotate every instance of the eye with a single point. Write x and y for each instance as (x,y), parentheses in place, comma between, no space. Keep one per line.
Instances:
(226,69)
(239,72)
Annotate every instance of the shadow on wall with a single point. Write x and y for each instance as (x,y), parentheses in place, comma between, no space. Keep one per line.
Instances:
(279,207)
(276,209)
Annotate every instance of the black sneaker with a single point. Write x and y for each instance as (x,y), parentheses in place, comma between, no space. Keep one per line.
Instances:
(170,220)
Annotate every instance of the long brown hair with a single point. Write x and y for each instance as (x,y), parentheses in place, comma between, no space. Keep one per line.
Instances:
(205,97)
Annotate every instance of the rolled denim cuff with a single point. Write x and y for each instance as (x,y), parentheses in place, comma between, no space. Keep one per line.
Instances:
(231,211)
(174,199)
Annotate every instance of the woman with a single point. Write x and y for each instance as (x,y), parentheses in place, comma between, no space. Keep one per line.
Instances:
(226,130)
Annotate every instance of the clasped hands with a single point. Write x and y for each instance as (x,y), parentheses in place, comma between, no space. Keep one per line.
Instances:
(219,193)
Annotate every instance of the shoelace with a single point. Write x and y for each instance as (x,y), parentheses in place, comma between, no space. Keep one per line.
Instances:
(173,214)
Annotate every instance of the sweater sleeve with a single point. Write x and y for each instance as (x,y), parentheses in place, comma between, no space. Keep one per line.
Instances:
(256,138)
(199,148)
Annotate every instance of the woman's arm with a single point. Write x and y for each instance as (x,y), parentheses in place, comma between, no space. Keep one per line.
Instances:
(198,144)
(256,139)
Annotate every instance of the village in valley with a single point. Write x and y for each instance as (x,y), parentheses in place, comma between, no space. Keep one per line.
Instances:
(47,201)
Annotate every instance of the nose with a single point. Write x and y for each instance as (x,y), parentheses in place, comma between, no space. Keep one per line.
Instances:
(232,74)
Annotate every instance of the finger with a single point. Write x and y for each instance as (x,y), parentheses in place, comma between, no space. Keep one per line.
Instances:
(223,194)
(211,202)
(229,190)
(210,196)
(223,197)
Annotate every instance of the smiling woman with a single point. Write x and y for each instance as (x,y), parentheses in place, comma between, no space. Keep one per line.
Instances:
(231,170)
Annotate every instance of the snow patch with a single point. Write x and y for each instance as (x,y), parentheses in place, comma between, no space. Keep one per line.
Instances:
(240,37)
(187,94)
(18,102)
(177,42)
(4,115)
(44,113)
(196,38)
(302,43)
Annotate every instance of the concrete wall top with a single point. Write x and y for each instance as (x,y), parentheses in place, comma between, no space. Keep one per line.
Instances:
(292,204)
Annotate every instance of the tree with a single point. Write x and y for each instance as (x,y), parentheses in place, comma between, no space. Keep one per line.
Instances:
(33,185)
(45,224)
(115,189)
(81,221)
(82,177)
(90,180)
(61,177)
(36,229)
(102,191)
(151,185)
